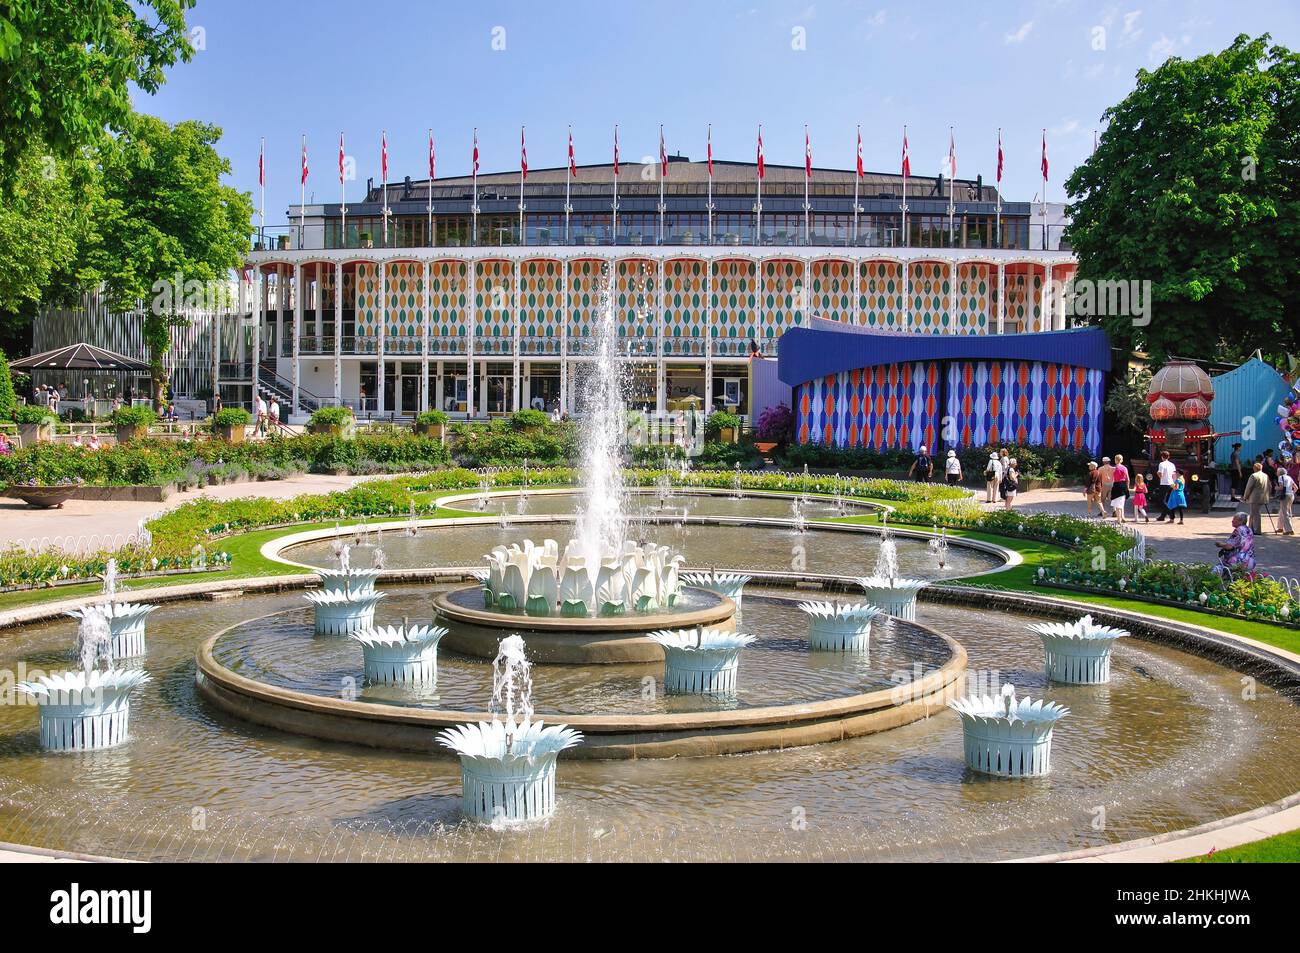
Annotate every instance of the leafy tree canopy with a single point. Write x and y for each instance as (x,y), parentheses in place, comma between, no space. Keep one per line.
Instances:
(66,67)
(1195,185)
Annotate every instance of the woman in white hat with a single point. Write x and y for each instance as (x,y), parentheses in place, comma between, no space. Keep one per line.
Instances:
(952,468)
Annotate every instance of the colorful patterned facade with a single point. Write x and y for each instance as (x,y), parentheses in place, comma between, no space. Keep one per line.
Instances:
(494,304)
(685,311)
(831,291)
(449,291)
(541,300)
(893,405)
(734,301)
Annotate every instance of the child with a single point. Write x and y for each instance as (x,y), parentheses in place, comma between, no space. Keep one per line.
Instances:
(1177,502)
(1140,499)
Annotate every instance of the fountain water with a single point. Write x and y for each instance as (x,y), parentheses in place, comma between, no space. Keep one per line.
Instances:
(737,488)
(401,655)
(348,578)
(484,487)
(508,766)
(1006,736)
(126,619)
(883,587)
(700,661)
(1078,653)
(91,708)
(797,516)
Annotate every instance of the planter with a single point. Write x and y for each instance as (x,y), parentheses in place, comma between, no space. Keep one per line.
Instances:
(231,434)
(283,243)
(35,433)
(1007,737)
(431,430)
(728,434)
(342,431)
(42,497)
(135,432)
(80,712)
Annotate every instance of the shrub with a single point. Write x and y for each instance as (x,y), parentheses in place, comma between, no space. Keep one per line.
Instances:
(232,417)
(718,421)
(134,417)
(432,418)
(32,414)
(8,401)
(528,420)
(715,455)
(775,424)
(653,454)
(331,417)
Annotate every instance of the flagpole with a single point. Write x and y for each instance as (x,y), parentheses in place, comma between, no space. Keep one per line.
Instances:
(758,206)
(302,206)
(523,173)
(473,238)
(709,206)
(807,177)
(384,171)
(903,237)
(614,206)
(1044,164)
(430,190)
(343,197)
(857,177)
(568,178)
(663,173)
(261,176)
(998,230)
(952,184)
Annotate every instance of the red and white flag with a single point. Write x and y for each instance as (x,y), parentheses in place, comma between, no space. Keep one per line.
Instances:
(573,167)
(907,160)
(383,157)
(952,156)
(663,154)
(807,153)
(523,155)
(761,167)
(999,157)
(304,159)
(476,150)
(431,155)
(710,150)
(860,171)
(261,165)
(616,150)
(341,158)
(1044,155)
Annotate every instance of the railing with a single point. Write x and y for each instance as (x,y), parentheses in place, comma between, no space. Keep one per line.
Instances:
(543,346)
(311,344)
(685,347)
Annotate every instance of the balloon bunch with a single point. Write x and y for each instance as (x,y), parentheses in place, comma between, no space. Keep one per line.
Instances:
(1288,418)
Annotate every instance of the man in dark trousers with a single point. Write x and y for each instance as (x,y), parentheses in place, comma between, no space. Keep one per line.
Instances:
(922,466)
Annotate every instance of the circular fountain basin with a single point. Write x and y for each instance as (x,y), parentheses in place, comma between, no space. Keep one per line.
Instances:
(474,629)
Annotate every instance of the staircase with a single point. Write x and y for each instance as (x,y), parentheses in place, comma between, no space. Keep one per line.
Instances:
(273,385)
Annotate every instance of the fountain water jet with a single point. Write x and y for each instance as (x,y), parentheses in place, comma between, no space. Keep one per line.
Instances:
(126,620)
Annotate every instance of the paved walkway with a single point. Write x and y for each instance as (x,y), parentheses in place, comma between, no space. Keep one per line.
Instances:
(1190,542)
(81,519)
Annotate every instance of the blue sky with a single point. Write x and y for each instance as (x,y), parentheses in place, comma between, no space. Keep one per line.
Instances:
(282,68)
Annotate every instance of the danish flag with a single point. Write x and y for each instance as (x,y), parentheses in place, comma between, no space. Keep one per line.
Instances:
(761,168)
(907,161)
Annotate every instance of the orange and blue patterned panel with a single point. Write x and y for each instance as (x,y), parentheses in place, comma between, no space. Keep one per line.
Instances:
(931,293)
(830,290)
(880,295)
(784,297)
(685,312)
(494,305)
(892,405)
(1025,402)
(638,301)
(734,300)
(367,294)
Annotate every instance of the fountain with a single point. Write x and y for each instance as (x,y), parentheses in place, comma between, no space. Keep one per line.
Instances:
(939,546)
(348,578)
(839,627)
(700,661)
(347,602)
(91,708)
(126,619)
(737,487)
(883,587)
(484,487)
(1008,737)
(400,655)
(1078,653)
(508,766)
(729,584)
(797,516)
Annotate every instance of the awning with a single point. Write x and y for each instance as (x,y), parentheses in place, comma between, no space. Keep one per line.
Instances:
(80,357)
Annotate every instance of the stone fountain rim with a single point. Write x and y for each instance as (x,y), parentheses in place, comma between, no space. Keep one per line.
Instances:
(722,610)
(447,502)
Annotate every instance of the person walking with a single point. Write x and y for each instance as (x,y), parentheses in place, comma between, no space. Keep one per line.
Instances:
(1176,503)
(1256,496)
(952,468)
(1010,482)
(1286,487)
(275,412)
(1165,473)
(1092,489)
(1119,488)
(261,415)
(1140,499)
(992,477)
(1107,473)
(922,466)
(1236,473)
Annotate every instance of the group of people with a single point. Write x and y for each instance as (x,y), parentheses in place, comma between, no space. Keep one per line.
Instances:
(1265,481)
(1107,488)
(1001,473)
(268,414)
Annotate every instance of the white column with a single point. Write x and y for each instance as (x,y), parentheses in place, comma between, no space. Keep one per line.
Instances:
(319,288)
(216,351)
(564,337)
(1044,302)
(281,302)
(471,279)
(708,333)
(661,371)
(259,315)
(338,333)
(515,331)
(424,362)
(856,307)
(297,330)
(439,394)
(381,386)
(1002,297)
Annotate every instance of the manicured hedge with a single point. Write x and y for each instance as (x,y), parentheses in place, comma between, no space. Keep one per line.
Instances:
(1035,462)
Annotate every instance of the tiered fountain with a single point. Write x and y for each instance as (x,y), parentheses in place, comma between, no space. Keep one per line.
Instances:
(1078,653)
(1008,737)
(883,587)
(345,610)
(125,619)
(91,708)
(508,766)
(700,661)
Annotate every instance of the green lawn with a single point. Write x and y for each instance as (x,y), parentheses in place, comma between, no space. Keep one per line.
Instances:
(1280,849)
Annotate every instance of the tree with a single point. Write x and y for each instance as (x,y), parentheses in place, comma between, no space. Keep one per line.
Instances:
(7,399)
(166,229)
(1195,186)
(67,67)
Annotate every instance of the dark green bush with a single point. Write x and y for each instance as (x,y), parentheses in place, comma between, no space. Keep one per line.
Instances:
(134,416)
(331,417)
(232,417)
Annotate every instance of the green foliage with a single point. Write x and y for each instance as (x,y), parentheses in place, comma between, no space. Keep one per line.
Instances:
(718,421)
(652,454)
(67,69)
(715,454)
(134,417)
(331,417)
(1126,404)
(432,418)
(8,401)
(528,420)
(232,417)
(1194,185)
(1037,462)
(31,414)
(501,443)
